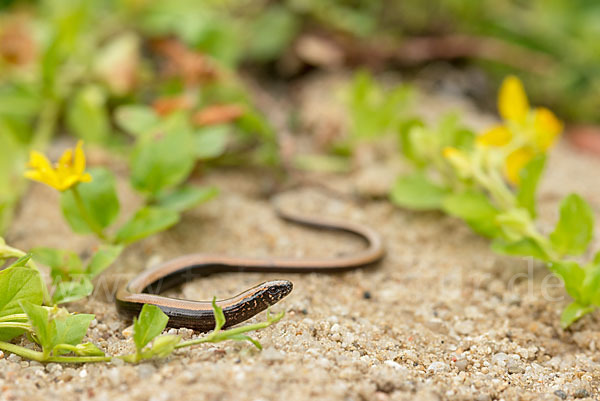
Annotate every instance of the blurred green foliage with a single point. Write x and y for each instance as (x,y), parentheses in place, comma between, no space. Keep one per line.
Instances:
(565,30)
(74,66)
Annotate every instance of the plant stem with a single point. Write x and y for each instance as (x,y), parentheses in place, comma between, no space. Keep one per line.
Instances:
(12,318)
(39,356)
(86,216)
(22,351)
(79,359)
(16,325)
(218,336)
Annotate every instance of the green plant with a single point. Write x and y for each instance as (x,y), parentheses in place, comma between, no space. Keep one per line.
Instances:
(374,112)
(490,182)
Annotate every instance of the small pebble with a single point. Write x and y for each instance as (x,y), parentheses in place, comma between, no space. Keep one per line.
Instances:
(581,393)
(500,359)
(393,364)
(437,367)
(14,358)
(114,325)
(560,394)
(465,327)
(53,368)
(513,366)
(127,332)
(461,364)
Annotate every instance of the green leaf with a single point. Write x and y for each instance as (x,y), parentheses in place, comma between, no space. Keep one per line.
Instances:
(56,326)
(164,345)
(475,209)
(136,119)
(87,117)
(102,259)
(39,319)
(590,288)
(70,328)
(186,198)
(150,323)
(417,192)
(211,141)
(573,276)
(69,291)
(273,31)
(147,221)
(18,284)
(162,162)
(22,261)
(523,247)
(19,100)
(255,123)
(219,315)
(573,312)
(100,199)
(405,139)
(530,176)
(87,349)
(62,263)
(453,133)
(375,110)
(243,337)
(575,226)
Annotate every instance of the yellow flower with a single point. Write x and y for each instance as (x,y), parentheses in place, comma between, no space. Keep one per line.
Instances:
(69,170)
(496,136)
(515,162)
(512,100)
(530,132)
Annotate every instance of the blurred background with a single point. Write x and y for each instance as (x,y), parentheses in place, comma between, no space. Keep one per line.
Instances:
(104,70)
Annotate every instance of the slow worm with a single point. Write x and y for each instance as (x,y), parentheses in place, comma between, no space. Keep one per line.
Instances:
(198,315)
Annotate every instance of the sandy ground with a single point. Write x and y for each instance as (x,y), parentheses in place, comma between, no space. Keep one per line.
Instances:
(442,317)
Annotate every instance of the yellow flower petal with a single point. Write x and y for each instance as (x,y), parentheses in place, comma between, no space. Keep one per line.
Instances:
(67,182)
(66,159)
(33,175)
(38,160)
(515,162)
(85,178)
(512,100)
(547,127)
(496,136)
(47,177)
(79,161)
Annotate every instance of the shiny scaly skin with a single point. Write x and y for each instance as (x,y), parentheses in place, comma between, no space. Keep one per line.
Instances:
(198,315)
